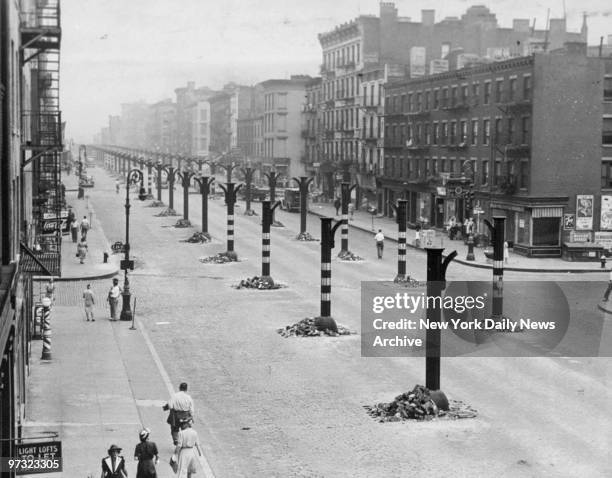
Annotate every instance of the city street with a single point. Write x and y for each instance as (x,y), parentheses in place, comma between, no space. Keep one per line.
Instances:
(269,406)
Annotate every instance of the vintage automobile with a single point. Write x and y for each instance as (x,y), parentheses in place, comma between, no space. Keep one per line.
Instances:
(257,193)
(86,181)
(291,200)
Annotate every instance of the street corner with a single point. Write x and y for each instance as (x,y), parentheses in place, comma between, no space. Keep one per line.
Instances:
(605,306)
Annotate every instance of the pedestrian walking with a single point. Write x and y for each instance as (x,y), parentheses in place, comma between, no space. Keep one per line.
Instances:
(88,302)
(180,407)
(380,243)
(147,456)
(113,298)
(506,252)
(609,289)
(184,454)
(74,229)
(82,251)
(84,228)
(337,204)
(117,186)
(417,236)
(351,208)
(113,466)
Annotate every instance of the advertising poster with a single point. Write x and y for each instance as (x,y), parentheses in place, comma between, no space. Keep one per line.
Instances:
(569,222)
(584,212)
(417,61)
(606,213)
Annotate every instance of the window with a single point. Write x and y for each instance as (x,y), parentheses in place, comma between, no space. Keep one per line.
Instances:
(453,132)
(435,133)
(454,96)
(443,166)
(608,88)
(372,95)
(436,99)
(427,134)
(474,132)
(418,101)
(463,132)
(486,131)
(485,172)
(444,97)
(523,175)
(443,133)
(409,104)
(487,92)
(499,90)
(512,89)
(606,138)
(427,98)
(464,94)
(511,131)
(525,130)
(606,175)
(498,131)
(527,87)
(475,94)
(546,231)
(498,172)
(403,103)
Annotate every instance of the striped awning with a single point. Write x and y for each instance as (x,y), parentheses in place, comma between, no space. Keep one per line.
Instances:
(547,212)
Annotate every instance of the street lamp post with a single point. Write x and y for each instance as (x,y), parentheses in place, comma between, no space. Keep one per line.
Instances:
(186,181)
(205,182)
(134,176)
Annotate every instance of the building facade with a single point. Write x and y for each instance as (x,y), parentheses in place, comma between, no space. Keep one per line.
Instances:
(525,135)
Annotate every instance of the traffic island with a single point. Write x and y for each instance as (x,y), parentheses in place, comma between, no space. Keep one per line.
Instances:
(220,258)
(259,282)
(198,238)
(349,256)
(305,236)
(157,204)
(308,328)
(420,404)
(167,212)
(250,212)
(181,223)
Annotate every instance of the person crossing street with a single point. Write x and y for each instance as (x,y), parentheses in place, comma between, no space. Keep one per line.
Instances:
(380,243)
(180,407)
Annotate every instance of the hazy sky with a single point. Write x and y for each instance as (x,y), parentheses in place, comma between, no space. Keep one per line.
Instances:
(118,51)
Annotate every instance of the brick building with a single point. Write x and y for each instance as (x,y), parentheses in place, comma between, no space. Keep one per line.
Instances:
(525,134)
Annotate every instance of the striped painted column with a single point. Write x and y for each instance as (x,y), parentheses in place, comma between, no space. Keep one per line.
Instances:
(229,199)
(498,266)
(346,198)
(46,329)
(401,240)
(327,243)
(266,219)
(150,179)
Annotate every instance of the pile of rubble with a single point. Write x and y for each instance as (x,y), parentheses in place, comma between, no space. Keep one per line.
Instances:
(183,223)
(250,212)
(157,204)
(277,224)
(220,258)
(198,238)
(420,404)
(349,256)
(306,328)
(258,282)
(407,281)
(305,236)
(167,212)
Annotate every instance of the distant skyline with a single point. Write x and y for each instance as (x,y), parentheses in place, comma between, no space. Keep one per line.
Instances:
(117,52)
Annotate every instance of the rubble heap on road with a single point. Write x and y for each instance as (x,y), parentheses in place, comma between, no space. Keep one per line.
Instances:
(157,204)
(420,404)
(220,258)
(407,281)
(183,223)
(258,282)
(349,256)
(198,238)
(306,328)
(305,236)
(167,212)
(250,212)
(277,224)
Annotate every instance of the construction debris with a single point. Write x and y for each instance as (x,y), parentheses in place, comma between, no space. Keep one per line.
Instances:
(183,223)
(250,212)
(306,328)
(198,238)
(258,282)
(407,281)
(157,204)
(305,236)
(277,224)
(167,212)
(220,258)
(349,256)
(420,404)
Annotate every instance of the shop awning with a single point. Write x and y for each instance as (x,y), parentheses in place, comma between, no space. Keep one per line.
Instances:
(547,212)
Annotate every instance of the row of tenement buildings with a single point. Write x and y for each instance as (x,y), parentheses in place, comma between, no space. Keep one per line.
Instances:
(31,196)
(427,111)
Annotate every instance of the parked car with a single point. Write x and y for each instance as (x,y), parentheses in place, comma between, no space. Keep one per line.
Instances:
(291,200)
(257,194)
(86,182)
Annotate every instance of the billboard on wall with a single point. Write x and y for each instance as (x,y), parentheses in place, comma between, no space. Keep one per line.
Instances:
(417,61)
(438,66)
(606,213)
(584,212)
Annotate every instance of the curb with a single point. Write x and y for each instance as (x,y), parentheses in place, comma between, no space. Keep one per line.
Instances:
(601,307)
(479,266)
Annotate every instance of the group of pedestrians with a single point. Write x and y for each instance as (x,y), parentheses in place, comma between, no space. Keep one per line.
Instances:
(75,227)
(185,439)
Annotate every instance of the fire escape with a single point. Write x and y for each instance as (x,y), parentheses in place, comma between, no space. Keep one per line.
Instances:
(41,137)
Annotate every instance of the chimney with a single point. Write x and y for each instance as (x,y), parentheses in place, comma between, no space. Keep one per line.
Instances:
(520,25)
(428,18)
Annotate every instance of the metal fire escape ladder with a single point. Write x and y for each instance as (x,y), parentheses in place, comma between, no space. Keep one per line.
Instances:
(41,133)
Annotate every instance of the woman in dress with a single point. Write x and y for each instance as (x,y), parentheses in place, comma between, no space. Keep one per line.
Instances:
(113,466)
(147,456)
(184,453)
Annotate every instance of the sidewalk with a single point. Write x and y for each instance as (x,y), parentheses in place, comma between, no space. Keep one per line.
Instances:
(104,382)
(97,244)
(364,221)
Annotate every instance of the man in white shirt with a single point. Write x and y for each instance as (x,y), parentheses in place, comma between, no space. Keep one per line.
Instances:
(113,298)
(180,406)
(380,243)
